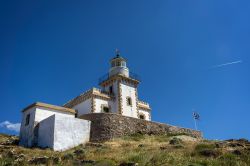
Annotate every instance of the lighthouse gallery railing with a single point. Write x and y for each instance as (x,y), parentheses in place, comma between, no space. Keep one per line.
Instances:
(131,75)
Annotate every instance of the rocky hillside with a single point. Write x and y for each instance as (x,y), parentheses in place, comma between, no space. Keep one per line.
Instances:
(133,150)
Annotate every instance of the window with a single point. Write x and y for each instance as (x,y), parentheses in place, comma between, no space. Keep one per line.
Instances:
(111,89)
(118,63)
(113,64)
(105,109)
(76,114)
(129,101)
(27,120)
(141,116)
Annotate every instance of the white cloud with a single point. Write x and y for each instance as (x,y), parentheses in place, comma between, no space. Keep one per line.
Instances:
(10,126)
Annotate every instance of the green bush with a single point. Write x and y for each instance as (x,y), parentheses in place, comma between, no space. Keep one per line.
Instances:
(175,141)
(203,146)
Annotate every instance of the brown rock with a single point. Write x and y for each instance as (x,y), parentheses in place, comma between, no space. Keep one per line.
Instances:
(209,153)
(175,141)
(39,160)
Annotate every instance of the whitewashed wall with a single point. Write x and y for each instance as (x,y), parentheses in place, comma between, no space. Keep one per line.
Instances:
(46,132)
(128,91)
(43,113)
(61,133)
(84,107)
(99,103)
(70,132)
(146,114)
(37,114)
(26,132)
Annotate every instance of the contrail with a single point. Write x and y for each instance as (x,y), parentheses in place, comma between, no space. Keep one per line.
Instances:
(226,64)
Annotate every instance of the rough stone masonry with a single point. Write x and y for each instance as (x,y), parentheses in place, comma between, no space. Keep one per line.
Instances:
(105,126)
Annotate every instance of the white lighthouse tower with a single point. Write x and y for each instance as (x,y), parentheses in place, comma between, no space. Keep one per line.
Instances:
(122,84)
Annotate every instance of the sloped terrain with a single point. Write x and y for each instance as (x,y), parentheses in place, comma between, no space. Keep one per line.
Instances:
(133,150)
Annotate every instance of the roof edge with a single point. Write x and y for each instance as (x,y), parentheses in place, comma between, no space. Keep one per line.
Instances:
(93,92)
(50,106)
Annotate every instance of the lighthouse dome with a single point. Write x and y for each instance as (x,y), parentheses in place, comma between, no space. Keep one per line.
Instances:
(118,66)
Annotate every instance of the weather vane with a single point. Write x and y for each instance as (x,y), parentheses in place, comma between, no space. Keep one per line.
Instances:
(117,52)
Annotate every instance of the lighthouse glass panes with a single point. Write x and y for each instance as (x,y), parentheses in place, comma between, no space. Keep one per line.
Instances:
(123,64)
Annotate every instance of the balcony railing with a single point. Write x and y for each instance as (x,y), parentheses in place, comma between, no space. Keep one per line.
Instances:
(131,75)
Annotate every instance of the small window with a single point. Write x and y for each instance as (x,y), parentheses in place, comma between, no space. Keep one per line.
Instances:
(111,89)
(129,101)
(105,109)
(76,114)
(118,63)
(141,116)
(27,120)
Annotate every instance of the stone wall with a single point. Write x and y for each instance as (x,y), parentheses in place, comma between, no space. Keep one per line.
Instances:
(105,126)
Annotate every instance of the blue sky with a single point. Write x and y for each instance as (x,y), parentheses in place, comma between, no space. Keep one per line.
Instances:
(51,51)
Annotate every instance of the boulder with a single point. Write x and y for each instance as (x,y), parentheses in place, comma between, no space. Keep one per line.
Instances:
(87,161)
(175,141)
(39,160)
(209,153)
(237,152)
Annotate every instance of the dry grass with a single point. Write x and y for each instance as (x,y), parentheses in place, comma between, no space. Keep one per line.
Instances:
(142,149)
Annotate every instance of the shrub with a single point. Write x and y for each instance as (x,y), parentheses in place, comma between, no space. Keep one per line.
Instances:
(68,156)
(175,141)
(204,146)
(209,153)
(207,150)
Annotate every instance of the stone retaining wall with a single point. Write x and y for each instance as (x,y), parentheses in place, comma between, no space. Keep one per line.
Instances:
(105,126)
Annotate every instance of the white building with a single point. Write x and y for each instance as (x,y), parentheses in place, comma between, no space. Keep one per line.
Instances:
(118,94)
(59,128)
